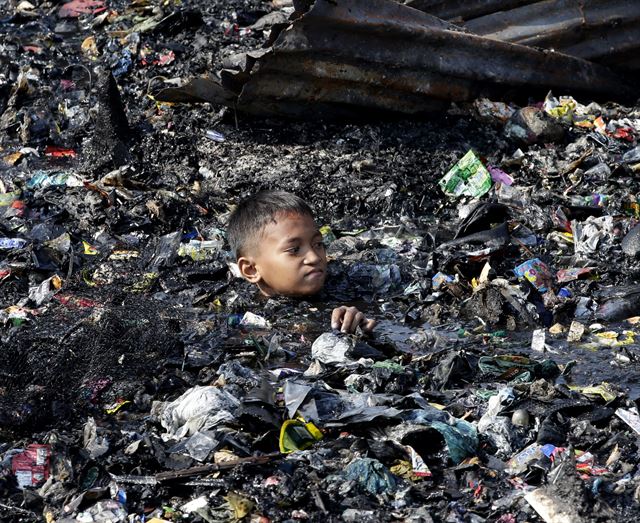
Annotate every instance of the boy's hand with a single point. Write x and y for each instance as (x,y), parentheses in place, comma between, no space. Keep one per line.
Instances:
(348,319)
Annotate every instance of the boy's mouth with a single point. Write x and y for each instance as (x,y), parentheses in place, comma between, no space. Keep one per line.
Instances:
(315,273)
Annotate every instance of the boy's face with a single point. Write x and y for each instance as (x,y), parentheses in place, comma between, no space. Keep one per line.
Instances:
(289,257)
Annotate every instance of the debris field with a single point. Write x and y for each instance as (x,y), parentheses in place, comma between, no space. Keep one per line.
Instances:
(490,222)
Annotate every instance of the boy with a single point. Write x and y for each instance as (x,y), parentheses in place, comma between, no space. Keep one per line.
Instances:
(279,248)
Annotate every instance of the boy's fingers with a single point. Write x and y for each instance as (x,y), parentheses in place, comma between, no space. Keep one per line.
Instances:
(358,320)
(349,322)
(336,317)
(354,319)
(347,319)
(368,325)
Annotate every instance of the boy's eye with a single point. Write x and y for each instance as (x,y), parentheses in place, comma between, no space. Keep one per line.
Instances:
(293,250)
(321,245)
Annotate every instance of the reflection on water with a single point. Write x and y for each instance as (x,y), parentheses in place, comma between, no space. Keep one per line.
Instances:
(594,362)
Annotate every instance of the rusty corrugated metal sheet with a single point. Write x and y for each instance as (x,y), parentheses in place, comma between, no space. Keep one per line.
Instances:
(604,31)
(348,57)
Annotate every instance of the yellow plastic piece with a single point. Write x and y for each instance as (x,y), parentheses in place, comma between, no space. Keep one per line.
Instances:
(297,434)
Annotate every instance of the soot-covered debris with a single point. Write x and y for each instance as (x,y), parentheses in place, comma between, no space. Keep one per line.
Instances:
(141,381)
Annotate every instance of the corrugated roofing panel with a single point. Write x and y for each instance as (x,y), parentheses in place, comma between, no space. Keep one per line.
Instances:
(380,54)
(351,57)
(606,31)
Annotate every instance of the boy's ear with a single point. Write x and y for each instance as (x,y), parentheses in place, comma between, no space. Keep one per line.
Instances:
(248,269)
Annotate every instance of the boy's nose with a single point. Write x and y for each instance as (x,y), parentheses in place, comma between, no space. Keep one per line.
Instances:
(312,257)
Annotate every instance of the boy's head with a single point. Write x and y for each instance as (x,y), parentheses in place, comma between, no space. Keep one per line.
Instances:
(277,244)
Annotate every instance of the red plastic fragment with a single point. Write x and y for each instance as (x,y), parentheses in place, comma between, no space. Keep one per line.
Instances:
(75,8)
(75,302)
(59,152)
(31,467)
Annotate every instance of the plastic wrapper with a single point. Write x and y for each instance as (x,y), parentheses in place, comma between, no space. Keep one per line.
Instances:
(370,475)
(7,198)
(332,348)
(536,272)
(468,177)
(460,436)
(31,467)
(499,176)
(95,444)
(200,445)
(214,136)
(166,250)
(567,275)
(440,279)
(515,368)
(43,179)
(200,250)
(498,428)
(12,243)
(631,418)
(298,435)
(495,110)
(519,463)
(418,466)
(107,511)
(253,321)
(591,234)
(199,408)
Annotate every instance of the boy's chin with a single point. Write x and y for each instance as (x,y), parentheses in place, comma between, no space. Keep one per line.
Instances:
(310,290)
(297,292)
(301,293)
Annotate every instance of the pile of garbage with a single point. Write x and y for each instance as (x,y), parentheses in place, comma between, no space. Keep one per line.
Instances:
(141,380)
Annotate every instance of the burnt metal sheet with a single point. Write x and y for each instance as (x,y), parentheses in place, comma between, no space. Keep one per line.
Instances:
(605,31)
(465,9)
(350,57)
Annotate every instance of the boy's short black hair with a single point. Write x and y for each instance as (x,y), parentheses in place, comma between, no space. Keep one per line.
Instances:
(254,213)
